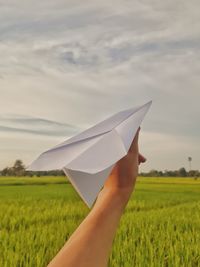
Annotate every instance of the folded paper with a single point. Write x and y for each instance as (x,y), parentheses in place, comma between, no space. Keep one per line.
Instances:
(88,158)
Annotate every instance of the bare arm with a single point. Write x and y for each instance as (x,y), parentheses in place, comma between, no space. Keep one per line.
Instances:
(90,244)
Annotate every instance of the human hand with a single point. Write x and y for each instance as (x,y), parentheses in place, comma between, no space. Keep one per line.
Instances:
(123,176)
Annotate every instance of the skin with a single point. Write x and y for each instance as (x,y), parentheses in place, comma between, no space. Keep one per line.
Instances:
(91,243)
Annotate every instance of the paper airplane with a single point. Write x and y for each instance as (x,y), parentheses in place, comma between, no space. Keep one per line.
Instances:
(88,158)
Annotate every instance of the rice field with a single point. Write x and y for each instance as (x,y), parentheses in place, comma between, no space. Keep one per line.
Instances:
(160,227)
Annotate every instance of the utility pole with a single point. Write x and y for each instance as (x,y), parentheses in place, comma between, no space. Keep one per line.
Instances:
(190,163)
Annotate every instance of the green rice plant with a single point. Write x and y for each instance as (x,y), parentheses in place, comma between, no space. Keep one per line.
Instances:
(160,226)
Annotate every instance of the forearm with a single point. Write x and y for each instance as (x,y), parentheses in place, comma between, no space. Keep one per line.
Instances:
(90,244)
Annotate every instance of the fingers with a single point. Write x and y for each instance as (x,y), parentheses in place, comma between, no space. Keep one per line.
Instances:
(141,159)
(134,148)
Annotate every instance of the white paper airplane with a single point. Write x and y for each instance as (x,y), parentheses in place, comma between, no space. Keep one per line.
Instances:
(88,158)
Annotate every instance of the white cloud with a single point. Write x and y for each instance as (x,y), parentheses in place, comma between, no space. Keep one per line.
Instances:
(78,62)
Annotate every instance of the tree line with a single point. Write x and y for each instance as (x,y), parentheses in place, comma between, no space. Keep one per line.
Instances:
(175,173)
(18,169)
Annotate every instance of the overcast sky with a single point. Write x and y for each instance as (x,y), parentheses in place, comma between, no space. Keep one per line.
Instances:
(67,64)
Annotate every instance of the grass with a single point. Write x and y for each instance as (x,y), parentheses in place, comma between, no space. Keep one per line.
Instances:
(160,227)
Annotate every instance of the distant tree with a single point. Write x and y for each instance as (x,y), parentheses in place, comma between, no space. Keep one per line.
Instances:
(18,168)
(182,172)
(193,173)
(153,173)
(169,173)
(5,171)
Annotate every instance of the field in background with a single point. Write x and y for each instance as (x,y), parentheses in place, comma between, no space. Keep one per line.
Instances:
(160,227)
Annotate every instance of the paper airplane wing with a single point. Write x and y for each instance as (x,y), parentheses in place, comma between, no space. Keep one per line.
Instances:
(88,158)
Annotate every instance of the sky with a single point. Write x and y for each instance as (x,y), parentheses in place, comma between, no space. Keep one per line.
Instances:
(66,65)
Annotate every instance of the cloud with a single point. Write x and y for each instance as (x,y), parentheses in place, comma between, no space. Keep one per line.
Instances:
(77,63)
(39,126)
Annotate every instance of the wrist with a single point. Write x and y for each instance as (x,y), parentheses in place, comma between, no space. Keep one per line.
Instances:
(117,195)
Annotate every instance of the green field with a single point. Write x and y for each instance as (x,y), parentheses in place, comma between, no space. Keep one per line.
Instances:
(160,227)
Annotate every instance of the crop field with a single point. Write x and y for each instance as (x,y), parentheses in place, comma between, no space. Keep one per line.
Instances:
(160,226)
